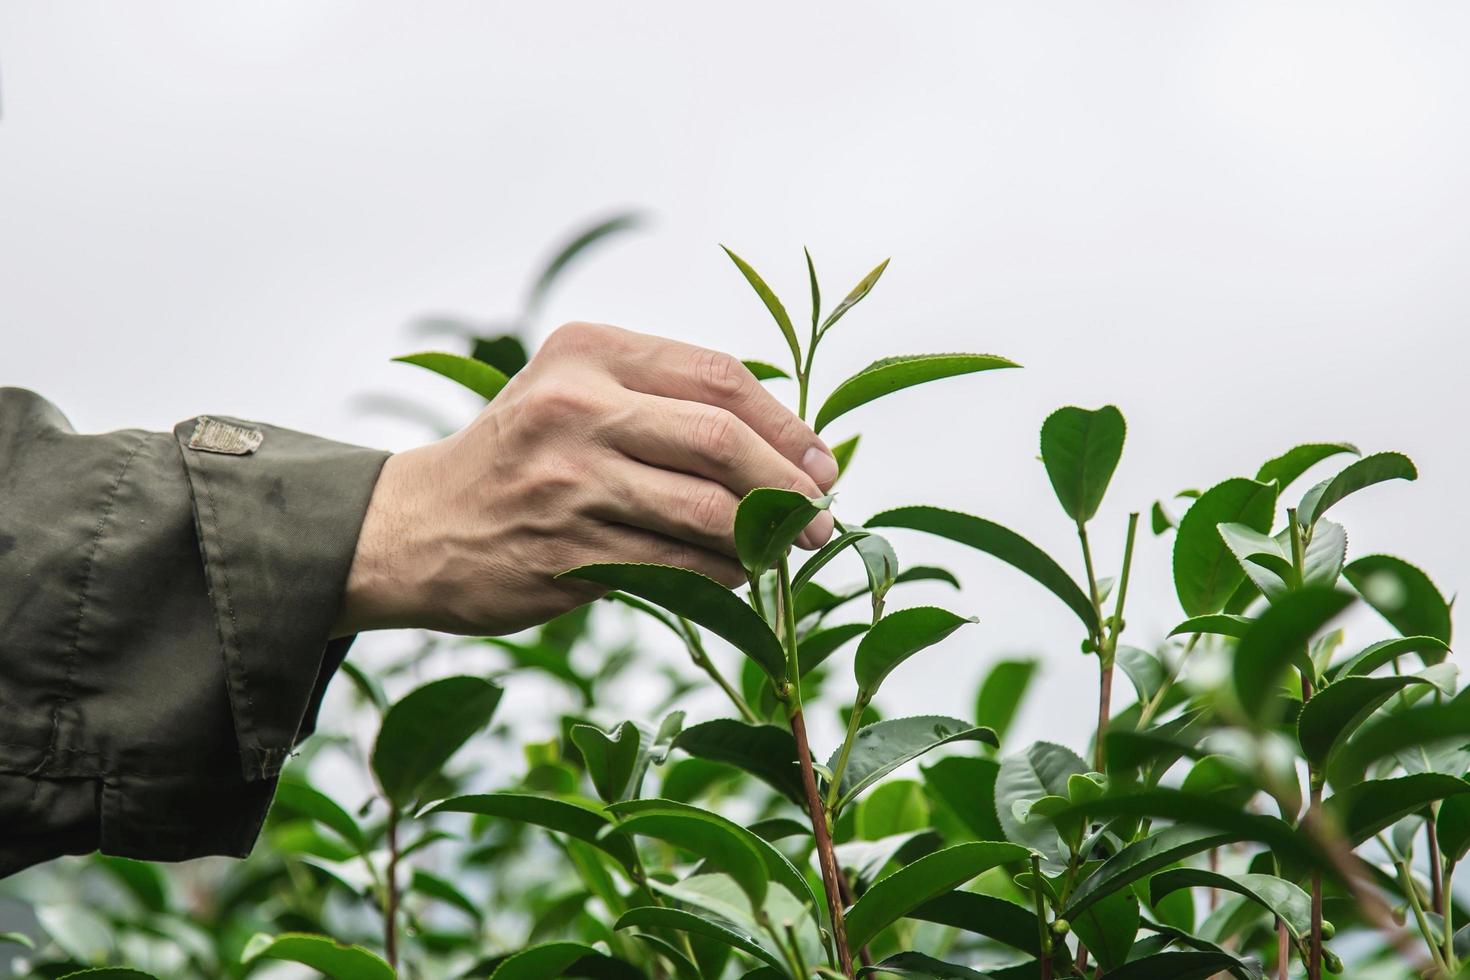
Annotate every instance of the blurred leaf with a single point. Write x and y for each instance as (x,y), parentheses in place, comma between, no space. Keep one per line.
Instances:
(890,374)
(684,969)
(898,636)
(1356,476)
(477,376)
(1365,808)
(563,959)
(1431,650)
(772,303)
(336,960)
(1081,449)
(895,807)
(768,521)
(577,245)
(1276,640)
(764,371)
(18,939)
(561,816)
(1001,542)
(445,891)
(699,599)
(1002,691)
(610,760)
(367,685)
(891,898)
(651,917)
(145,881)
(1336,711)
(1402,594)
(78,931)
(1145,671)
(423,730)
(1205,572)
(298,796)
(882,747)
(921,967)
(109,973)
(1286,468)
(1385,735)
(765,751)
(506,353)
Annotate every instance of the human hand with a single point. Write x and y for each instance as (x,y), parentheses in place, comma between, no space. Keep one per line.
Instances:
(610,446)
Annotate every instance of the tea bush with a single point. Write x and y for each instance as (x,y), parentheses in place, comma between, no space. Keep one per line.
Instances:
(1272,800)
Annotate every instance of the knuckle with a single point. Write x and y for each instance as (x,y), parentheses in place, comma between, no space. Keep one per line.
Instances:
(557,403)
(708,511)
(575,337)
(715,436)
(788,430)
(720,374)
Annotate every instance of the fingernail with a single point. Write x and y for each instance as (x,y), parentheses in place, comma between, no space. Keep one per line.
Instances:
(817,532)
(820,465)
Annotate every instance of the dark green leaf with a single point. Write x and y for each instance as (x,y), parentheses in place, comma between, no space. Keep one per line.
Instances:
(367,685)
(1453,828)
(1365,808)
(1219,624)
(1141,859)
(1402,594)
(1144,670)
(898,636)
(814,648)
(773,304)
(108,973)
(823,555)
(768,521)
(1357,475)
(1205,572)
(445,891)
(1276,895)
(1336,711)
(966,787)
(297,796)
(697,598)
(574,247)
(717,843)
(1159,519)
(1081,449)
(811,275)
(843,453)
(1042,769)
(764,371)
(765,751)
(336,960)
(145,880)
(1108,927)
(853,298)
(883,377)
(1000,542)
(1279,638)
(921,967)
(423,730)
(1381,737)
(477,376)
(684,968)
(895,896)
(1286,468)
(610,760)
(650,917)
(984,915)
(1002,691)
(1193,965)
(506,353)
(882,747)
(560,816)
(1431,650)
(562,959)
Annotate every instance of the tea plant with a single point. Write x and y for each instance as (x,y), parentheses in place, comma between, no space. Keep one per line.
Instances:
(1309,795)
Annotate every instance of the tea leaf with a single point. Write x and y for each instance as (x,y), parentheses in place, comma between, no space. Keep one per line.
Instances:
(475,375)
(1286,468)
(823,555)
(1141,859)
(1002,692)
(558,959)
(433,886)
(768,521)
(843,453)
(1431,650)
(853,298)
(720,846)
(1219,624)
(764,371)
(578,244)
(1453,828)
(898,636)
(337,960)
(814,648)
(1336,711)
(1402,594)
(966,787)
(1000,542)
(1276,895)
(1374,805)
(18,939)
(1042,769)
(298,796)
(652,917)
(880,564)
(1145,671)
(1192,965)
(698,598)
(1356,476)
(610,761)
(895,807)
(773,304)
(893,897)
(921,967)
(505,353)
(1108,928)
(422,731)
(575,820)
(765,751)
(984,915)
(1205,572)
(684,968)
(883,377)
(1279,638)
(883,746)
(811,275)
(1381,737)
(1081,449)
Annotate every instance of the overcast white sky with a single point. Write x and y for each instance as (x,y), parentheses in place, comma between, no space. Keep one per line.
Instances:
(1245,224)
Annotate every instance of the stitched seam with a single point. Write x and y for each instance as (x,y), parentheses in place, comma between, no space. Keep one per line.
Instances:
(233,661)
(69,687)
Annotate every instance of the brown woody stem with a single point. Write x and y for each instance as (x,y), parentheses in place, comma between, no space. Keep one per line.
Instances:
(826,856)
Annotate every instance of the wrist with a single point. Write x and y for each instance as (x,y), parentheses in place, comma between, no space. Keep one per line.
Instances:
(380,592)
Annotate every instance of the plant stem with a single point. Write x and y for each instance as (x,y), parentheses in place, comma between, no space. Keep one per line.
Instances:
(821,832)
(854,721)
(1043,933)
(701,660)
(847,899)
(1437,900)
(1283,950)
(1314,963)
(1406,879)
(390,892)
(1450,960)
(801,967)
(1104,713)
(1157,701)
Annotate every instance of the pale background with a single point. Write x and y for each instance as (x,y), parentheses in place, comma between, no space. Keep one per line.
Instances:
(1246,224)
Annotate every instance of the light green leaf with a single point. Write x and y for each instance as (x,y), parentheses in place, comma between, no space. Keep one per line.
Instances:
(1277,639)
(1402,594)
(1145,671)
(1356,476)
(1336,711)
(898,636)
(698,598)
(295,795)
(764,371)
(1276,895)
(336,960)
(1431,650)
(475,375)
(1042,769)
(109,973)
(1081,449)
(1000,542)
(575,820)
(651,917)
(768,521)
(843,453)
(18,939)
(1263,559)
(883,746)
(425,728)
(1205,572)
(811,275)
(921,967)
(1002,691)
(765,751)
(898,806)
(883,377)
(853,298)
(773,304)
(610,760)
(1286,468)
(893,897)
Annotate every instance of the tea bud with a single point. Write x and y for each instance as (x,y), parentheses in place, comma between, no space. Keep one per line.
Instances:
(1331,961)
(1061,927)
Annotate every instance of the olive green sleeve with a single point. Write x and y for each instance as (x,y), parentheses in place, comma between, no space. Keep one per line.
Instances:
(166,601)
